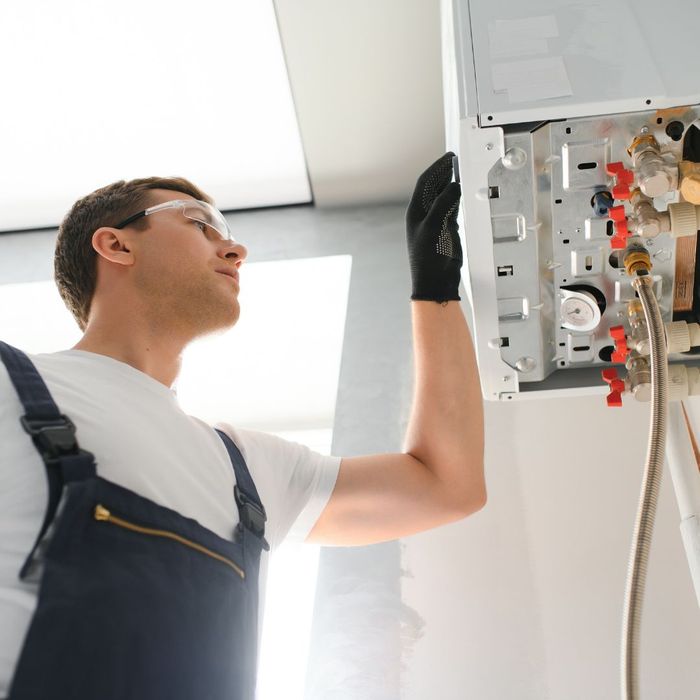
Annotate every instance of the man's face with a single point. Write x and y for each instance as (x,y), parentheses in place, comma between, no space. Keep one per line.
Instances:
(175,273)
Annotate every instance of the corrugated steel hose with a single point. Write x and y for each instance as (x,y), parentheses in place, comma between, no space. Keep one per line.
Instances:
(646,513)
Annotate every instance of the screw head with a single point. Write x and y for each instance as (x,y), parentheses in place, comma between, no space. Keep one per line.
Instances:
(525,364)
(514,158)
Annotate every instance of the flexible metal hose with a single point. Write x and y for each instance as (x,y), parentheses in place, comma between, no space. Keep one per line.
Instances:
(637,570)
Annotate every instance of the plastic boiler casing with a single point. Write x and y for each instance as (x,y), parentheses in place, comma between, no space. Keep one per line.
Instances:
(541,98)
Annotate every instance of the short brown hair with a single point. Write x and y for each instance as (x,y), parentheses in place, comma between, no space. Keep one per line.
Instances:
(75,260)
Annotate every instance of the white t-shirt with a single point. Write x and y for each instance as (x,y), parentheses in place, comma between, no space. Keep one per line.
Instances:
(143,441)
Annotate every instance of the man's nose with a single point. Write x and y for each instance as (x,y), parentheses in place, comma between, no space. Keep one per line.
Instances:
(237,249)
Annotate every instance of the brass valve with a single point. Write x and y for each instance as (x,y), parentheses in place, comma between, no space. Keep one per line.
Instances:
(634,308)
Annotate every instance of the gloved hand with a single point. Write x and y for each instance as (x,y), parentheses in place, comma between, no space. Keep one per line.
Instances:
(434,250)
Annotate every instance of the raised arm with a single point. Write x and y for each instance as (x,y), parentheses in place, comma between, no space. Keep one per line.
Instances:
(439,477)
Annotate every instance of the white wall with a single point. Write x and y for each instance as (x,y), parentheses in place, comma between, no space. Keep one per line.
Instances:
(524,600)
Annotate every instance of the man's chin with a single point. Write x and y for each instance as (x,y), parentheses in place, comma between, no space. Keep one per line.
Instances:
(219,325)
(229,319)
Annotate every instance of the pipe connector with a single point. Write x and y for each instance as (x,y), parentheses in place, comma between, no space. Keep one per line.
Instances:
(637,261)
(683,381)
(685,219)
(681,336)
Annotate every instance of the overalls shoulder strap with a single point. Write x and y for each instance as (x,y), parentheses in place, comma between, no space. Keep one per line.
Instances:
(52,432)
(251,511)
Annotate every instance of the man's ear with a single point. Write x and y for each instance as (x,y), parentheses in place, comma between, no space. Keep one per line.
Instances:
(113,244)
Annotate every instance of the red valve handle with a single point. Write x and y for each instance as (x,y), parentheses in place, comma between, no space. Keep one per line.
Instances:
(621,192)
(618,243)
(621,229)
(618,171)
(617,386)
(617,213)
(622,233)
(617,333)
(625,177)
(614,168)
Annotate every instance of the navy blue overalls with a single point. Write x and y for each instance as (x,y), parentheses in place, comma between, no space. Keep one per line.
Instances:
(135,600)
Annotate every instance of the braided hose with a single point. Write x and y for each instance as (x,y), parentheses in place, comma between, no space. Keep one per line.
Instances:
(637,569)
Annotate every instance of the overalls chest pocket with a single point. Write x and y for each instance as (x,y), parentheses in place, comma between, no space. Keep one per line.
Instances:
(104,515)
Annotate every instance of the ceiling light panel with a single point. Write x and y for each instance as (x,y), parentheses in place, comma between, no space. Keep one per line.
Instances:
(103,91)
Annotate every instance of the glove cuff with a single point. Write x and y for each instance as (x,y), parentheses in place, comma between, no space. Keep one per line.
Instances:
(430,288)
(441,300)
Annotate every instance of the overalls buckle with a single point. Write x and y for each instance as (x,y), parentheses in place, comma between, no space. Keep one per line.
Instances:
(53,437)
(252,515)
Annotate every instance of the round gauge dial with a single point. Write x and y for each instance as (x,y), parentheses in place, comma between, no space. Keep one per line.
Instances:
(579,311)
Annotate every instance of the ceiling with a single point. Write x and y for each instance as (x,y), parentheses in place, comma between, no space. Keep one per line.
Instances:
(366,79)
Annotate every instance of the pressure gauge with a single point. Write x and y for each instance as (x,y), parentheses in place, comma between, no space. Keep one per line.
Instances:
(579,311)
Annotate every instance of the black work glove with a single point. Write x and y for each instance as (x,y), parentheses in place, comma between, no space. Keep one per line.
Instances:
(434,250)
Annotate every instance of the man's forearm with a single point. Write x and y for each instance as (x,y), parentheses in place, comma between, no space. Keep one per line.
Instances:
(446,428)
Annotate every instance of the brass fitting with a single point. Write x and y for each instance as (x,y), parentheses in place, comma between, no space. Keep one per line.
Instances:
(645,140)
(639,334)
(637,260)
(634,307)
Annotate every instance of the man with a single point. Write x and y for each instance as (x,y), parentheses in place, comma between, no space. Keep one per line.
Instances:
(131,560)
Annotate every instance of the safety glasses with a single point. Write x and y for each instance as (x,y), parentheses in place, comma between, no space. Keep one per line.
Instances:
(193,209)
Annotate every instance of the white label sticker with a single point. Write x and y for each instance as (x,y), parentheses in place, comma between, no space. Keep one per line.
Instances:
(533,79)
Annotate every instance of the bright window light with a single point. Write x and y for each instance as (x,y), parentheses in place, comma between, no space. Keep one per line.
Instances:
(101,91)
(277,371)
(289,607)
(282,358)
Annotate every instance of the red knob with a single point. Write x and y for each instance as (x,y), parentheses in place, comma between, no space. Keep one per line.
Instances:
(617,213)
(621,229)
(618,243)
(617,333)
(614,168)
(621,192)
(617,386)
(625,177)
(619,240)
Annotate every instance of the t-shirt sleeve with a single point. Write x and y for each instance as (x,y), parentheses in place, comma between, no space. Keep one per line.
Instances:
(294,482)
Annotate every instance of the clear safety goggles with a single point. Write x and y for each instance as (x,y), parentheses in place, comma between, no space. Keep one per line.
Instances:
(194,209)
